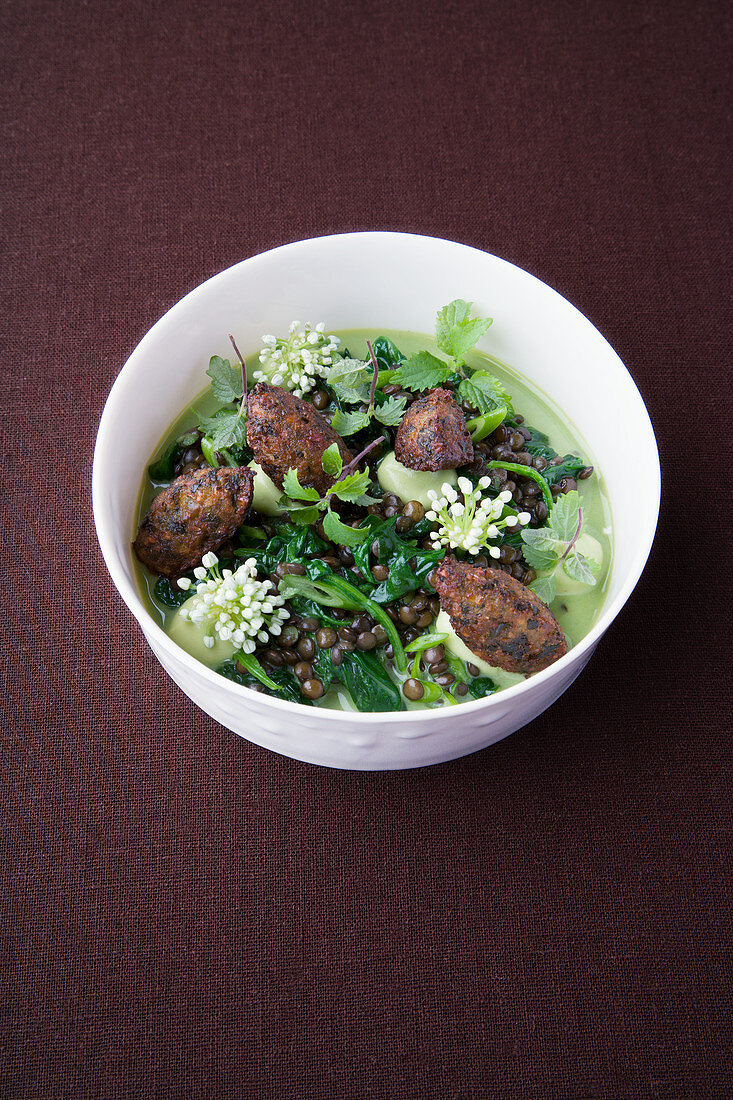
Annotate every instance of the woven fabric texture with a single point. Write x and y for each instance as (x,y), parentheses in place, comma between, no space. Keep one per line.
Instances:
(186,915)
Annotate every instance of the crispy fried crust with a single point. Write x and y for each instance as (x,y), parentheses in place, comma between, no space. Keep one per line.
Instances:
(284,431)
(196,513)
(433,434)
(498,618)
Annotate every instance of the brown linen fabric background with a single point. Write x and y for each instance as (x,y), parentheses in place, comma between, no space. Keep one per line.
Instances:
(187,915)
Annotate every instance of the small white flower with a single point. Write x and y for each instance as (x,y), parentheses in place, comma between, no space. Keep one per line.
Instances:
(234,606)
(298,361)
(472,522)
(184,583)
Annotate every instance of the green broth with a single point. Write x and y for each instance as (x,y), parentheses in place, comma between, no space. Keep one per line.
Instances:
(575,613)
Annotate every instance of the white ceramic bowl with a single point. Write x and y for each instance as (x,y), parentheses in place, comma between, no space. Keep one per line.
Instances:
(378,281)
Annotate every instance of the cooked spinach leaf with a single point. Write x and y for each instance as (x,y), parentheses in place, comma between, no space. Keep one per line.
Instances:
(169,594)
(288,686)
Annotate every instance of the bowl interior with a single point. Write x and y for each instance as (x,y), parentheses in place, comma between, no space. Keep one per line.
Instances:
(381,281)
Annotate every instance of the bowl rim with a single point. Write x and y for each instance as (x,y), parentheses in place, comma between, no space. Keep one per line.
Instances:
(147,623)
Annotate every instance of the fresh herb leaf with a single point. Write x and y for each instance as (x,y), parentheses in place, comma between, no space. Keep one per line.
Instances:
(303,516)
(555,546)
(350,379)
(455,333)
(391,411)
(226,428)
(423,371)
(485,392)
(226,380)
(353,488)
(341,533)
(349,423)
(331,461)
(295,490)
(563,518)
(545,588)
(581,568)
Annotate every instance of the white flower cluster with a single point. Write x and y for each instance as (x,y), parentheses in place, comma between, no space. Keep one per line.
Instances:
(470,523)
(235,606)
(298,362)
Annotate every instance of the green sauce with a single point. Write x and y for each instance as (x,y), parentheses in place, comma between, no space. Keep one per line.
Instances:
(576,607)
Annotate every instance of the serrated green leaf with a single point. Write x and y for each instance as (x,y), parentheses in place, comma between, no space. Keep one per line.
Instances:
(304,516)
(351,379)
(544,588)
(331,461)
(455,332)
(341,533)
(295,490)
(423,371)
(227,429)
(353,488)
(348,423)
(485,392)
(542,538)
(581,568)
(391,411)
(563,518)
(539,559)
(226,380)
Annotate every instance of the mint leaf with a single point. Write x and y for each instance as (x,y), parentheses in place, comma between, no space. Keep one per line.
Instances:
(348,423)
(544,587)
(353,488)
(226,380)
(423,371)
(485,392)
(455,332)
(295,490)
(539,559)
(341,533)
(350,379)
(563,518)
(581,568)
(331,461)
(542,538)
(391,411)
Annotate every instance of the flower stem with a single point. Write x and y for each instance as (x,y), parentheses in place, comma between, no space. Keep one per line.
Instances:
(574,539)
(375,366)
(525,471)
(244,369)
(348,469)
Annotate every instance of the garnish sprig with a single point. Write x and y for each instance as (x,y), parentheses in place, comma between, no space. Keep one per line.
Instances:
(554,547)
(349,379)
(349,487)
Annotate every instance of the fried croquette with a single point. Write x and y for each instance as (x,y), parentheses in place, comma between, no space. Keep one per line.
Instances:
(285,432)
(499,619)
(196,513)
(433,434)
